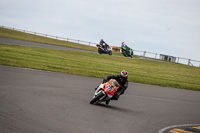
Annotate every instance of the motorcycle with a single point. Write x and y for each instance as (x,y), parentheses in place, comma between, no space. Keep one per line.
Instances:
(105,91)
(106,50)
(125,53)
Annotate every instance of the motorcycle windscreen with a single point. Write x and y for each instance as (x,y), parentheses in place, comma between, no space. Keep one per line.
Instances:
(111,87)
(115,84)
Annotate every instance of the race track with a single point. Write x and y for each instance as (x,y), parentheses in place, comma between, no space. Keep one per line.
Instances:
(37,101)
(35,44)
(34,101)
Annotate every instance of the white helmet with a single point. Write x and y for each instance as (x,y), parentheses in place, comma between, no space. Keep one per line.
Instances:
(124,74)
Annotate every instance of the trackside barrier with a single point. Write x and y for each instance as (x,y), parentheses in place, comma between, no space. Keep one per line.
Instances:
(117,49)
(158,57)
(144,54)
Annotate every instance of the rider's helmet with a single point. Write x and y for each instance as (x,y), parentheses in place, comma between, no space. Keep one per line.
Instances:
(123,75)
(122,44)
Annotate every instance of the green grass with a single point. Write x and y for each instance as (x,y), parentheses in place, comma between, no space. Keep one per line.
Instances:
(96,65)
(8,33)
(35,38)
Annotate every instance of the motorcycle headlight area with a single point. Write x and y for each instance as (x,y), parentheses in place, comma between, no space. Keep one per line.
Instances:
(109,87)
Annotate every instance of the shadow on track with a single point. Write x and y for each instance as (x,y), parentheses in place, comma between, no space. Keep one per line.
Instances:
(114,108)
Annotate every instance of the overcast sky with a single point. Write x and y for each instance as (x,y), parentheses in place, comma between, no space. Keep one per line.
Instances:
(169,27)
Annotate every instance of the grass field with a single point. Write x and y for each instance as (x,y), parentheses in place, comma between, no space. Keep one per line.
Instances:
(96,65)
(35,38)
(81,63)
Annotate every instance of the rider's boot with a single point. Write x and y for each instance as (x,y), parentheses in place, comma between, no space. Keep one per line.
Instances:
(107,102)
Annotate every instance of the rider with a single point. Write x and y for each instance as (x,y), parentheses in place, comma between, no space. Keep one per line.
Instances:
(123,82)
(123,44)
(102,42)
(127,48)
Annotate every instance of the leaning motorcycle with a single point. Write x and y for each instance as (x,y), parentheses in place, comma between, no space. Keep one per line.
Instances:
(105,91)
(125,53)
(102,50)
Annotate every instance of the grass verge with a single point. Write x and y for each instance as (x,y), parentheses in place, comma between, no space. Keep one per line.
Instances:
(95,65)
(8,33)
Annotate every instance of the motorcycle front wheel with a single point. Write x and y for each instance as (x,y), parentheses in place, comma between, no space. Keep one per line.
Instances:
(97,98)
(110,52)
(124,53)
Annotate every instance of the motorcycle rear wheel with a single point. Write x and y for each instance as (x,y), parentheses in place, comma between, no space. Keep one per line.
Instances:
(124,53)
(97,98)
(100,51)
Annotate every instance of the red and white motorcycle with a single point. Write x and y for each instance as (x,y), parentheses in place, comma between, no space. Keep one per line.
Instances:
(105,91)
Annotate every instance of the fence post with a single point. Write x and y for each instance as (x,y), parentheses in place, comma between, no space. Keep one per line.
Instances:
(144,53)
(178,60)
(156,56)
(189,61)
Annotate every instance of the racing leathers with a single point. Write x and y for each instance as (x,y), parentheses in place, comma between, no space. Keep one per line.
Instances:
(123,82)
(102,42)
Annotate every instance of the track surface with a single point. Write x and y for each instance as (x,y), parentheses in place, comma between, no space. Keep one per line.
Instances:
(46,102)
(39,101)
(35,44)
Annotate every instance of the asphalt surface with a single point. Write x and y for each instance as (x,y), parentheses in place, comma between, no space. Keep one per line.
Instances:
(36,101)
(35,44)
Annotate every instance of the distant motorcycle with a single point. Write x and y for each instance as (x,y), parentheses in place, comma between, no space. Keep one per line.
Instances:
(105,91)
(106,50)
(125,53)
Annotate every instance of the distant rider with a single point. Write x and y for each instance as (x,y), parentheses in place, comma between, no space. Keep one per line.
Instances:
(102,44)
(123,82)
(127,48)
(123,44)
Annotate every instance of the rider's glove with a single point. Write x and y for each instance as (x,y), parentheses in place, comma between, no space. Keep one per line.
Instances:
(104,80)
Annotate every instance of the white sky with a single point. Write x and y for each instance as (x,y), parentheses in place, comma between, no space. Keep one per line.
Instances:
(169,27)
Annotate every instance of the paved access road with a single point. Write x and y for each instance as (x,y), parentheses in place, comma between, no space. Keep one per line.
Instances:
(34,101)
(35,44)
